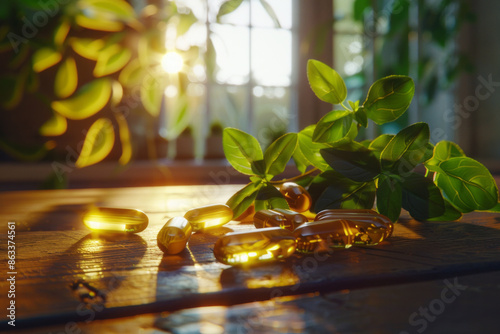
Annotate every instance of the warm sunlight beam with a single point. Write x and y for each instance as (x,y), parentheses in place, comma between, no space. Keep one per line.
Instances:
(172,62)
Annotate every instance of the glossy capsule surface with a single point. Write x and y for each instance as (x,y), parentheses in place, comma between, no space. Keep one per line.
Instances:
(209,216)
(296,196)
(247,215)
(271,218)
(283,218)
(115,220)
(174,235)
(366,216)
(255,247)
(320,236)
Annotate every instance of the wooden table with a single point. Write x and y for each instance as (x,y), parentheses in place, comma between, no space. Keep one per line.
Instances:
(434,277)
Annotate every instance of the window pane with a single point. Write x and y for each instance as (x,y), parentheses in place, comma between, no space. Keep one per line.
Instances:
(271,56)
(229,106)
(282,9)
(232,53)
(344,17)
(271,113)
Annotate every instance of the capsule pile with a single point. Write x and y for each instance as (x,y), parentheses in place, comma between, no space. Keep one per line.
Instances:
(280,232)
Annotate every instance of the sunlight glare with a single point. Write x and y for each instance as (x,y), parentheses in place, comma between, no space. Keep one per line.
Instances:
(172,62)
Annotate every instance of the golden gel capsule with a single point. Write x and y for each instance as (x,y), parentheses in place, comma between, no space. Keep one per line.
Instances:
(255,247)
(209,216)
(174,235)
(361,215)
(320,236)
(283,218)
(115,220)
(271,218)
(297,197)
(247,215)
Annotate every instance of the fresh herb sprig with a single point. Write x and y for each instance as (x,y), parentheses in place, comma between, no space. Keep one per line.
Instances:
(350,174)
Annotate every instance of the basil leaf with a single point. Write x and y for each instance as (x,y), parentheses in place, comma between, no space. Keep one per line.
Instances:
(443,151)
(388,98)
(332,190)
(279,153)
(406,149)
(467,184)
(353,161)
(378,144)
(241,149)
(243,198)
(300,160)
(361,117)
(332,127)
(421,197)
(269,197)
(389,197)
(310,149)
(325,82)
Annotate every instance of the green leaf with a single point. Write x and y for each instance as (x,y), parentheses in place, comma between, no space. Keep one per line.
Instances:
(353,161)
(421,197)
(271,13)
(98,143)
(300,160)
(243,198)
(450,213)
(378,144)
(152,93)
(332,127)
(228,7)
(279,153)
(354,105)
(87,101)
(268,197)
(389,197)
(325,82)
(66,79)
(332,190)
(132,74)
(310,149)
(110,60)
(406,149)
(361,117)
(54,126)
(443,151)
(185,22)
(388,98)
(428,152)
(467,184)
(87,47)
(241,149)
(44,58)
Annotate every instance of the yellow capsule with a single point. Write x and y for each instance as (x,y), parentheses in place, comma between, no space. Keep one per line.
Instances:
(254,247)
(320,236)
(115,220)
(283,218)
(209,216)
(174,235)
(297,197)
(361,215)
(271,218)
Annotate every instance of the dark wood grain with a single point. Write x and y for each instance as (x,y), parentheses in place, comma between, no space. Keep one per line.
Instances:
(132,276)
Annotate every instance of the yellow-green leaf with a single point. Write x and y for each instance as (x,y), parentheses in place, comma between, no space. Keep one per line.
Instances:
(87,101)
(151,95)
(98,143)
(116,9)
(66,79)
(98,23)
(61,32)
(55,126)
(111,59)
(11,91)
(132,74)
(117,93)
(124,138)
(44,58)
(87,47)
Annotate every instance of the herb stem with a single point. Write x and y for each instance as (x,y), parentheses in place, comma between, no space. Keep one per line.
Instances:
(295,177)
